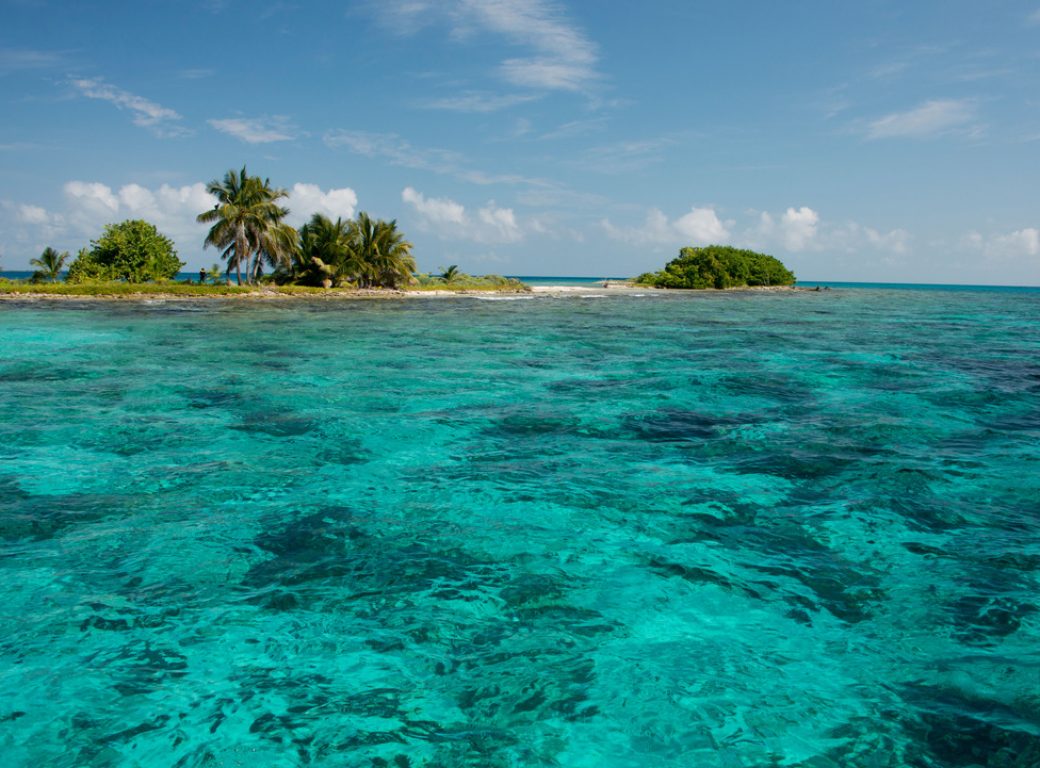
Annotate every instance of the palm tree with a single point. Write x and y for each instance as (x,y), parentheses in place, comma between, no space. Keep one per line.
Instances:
(330,242)
(394,263)
(243,217)
(381,254)
(450,274)
(50,265)
(365,236)
(276,245)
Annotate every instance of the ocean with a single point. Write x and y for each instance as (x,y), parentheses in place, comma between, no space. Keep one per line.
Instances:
(754,529)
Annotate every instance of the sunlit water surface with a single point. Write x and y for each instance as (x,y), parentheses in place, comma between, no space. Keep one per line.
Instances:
(659,530)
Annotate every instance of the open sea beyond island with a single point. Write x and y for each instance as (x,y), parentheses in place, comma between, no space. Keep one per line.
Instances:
(635,530)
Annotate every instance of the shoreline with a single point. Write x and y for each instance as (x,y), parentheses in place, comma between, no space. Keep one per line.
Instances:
(378,294)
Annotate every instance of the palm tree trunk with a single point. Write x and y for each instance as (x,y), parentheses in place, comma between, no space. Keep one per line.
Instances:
(240,247)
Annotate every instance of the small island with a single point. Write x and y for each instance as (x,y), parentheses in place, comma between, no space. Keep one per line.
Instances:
(719,266)
(351,258)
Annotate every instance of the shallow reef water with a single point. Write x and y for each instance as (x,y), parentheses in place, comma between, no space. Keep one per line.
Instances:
(721,530)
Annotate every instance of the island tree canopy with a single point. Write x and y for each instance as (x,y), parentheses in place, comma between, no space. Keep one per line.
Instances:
(247,224)
(133,250)
(364,251)
(719,266)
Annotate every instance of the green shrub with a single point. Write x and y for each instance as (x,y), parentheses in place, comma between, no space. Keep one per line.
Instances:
(133,250)
(719,266)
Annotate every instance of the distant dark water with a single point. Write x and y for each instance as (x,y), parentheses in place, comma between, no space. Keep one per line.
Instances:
(660,530)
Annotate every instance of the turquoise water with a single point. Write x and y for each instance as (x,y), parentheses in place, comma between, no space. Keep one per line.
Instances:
(662,530)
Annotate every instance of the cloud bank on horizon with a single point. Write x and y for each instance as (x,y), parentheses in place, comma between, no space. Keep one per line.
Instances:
(542,136)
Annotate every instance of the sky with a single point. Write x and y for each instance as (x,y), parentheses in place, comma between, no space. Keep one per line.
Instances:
(874,140)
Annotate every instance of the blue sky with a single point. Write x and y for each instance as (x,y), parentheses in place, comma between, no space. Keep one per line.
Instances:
(874,140)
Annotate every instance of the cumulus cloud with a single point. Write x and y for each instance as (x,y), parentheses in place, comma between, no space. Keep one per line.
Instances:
(256,130)
(500,223)
(802,229)
(794,230)
(89,205)
(449,219)
(91,196)
(161,120)
(932,118)
(305,200)
(436,210)
(897,240)
(33,214)
(1022,242)
(799,227)
(701,226)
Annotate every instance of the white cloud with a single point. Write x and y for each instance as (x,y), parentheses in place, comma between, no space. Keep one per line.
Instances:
(173,209)
(436,210)
(92,205)
(1023,242)
(256,130)
(91,196)
(560,56)
(33,214)
(933,118)
(799,227)
(449,219)
(501,223)
(307,199)
(477,102)
(89,206)
(701,226)
(896,241)
(795,230)
(147,114)
(564,58)
(802,229)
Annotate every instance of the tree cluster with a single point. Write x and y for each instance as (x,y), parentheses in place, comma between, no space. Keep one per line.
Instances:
(719,266)
(248,227)
(134,251)
(363,252)
(247,224)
